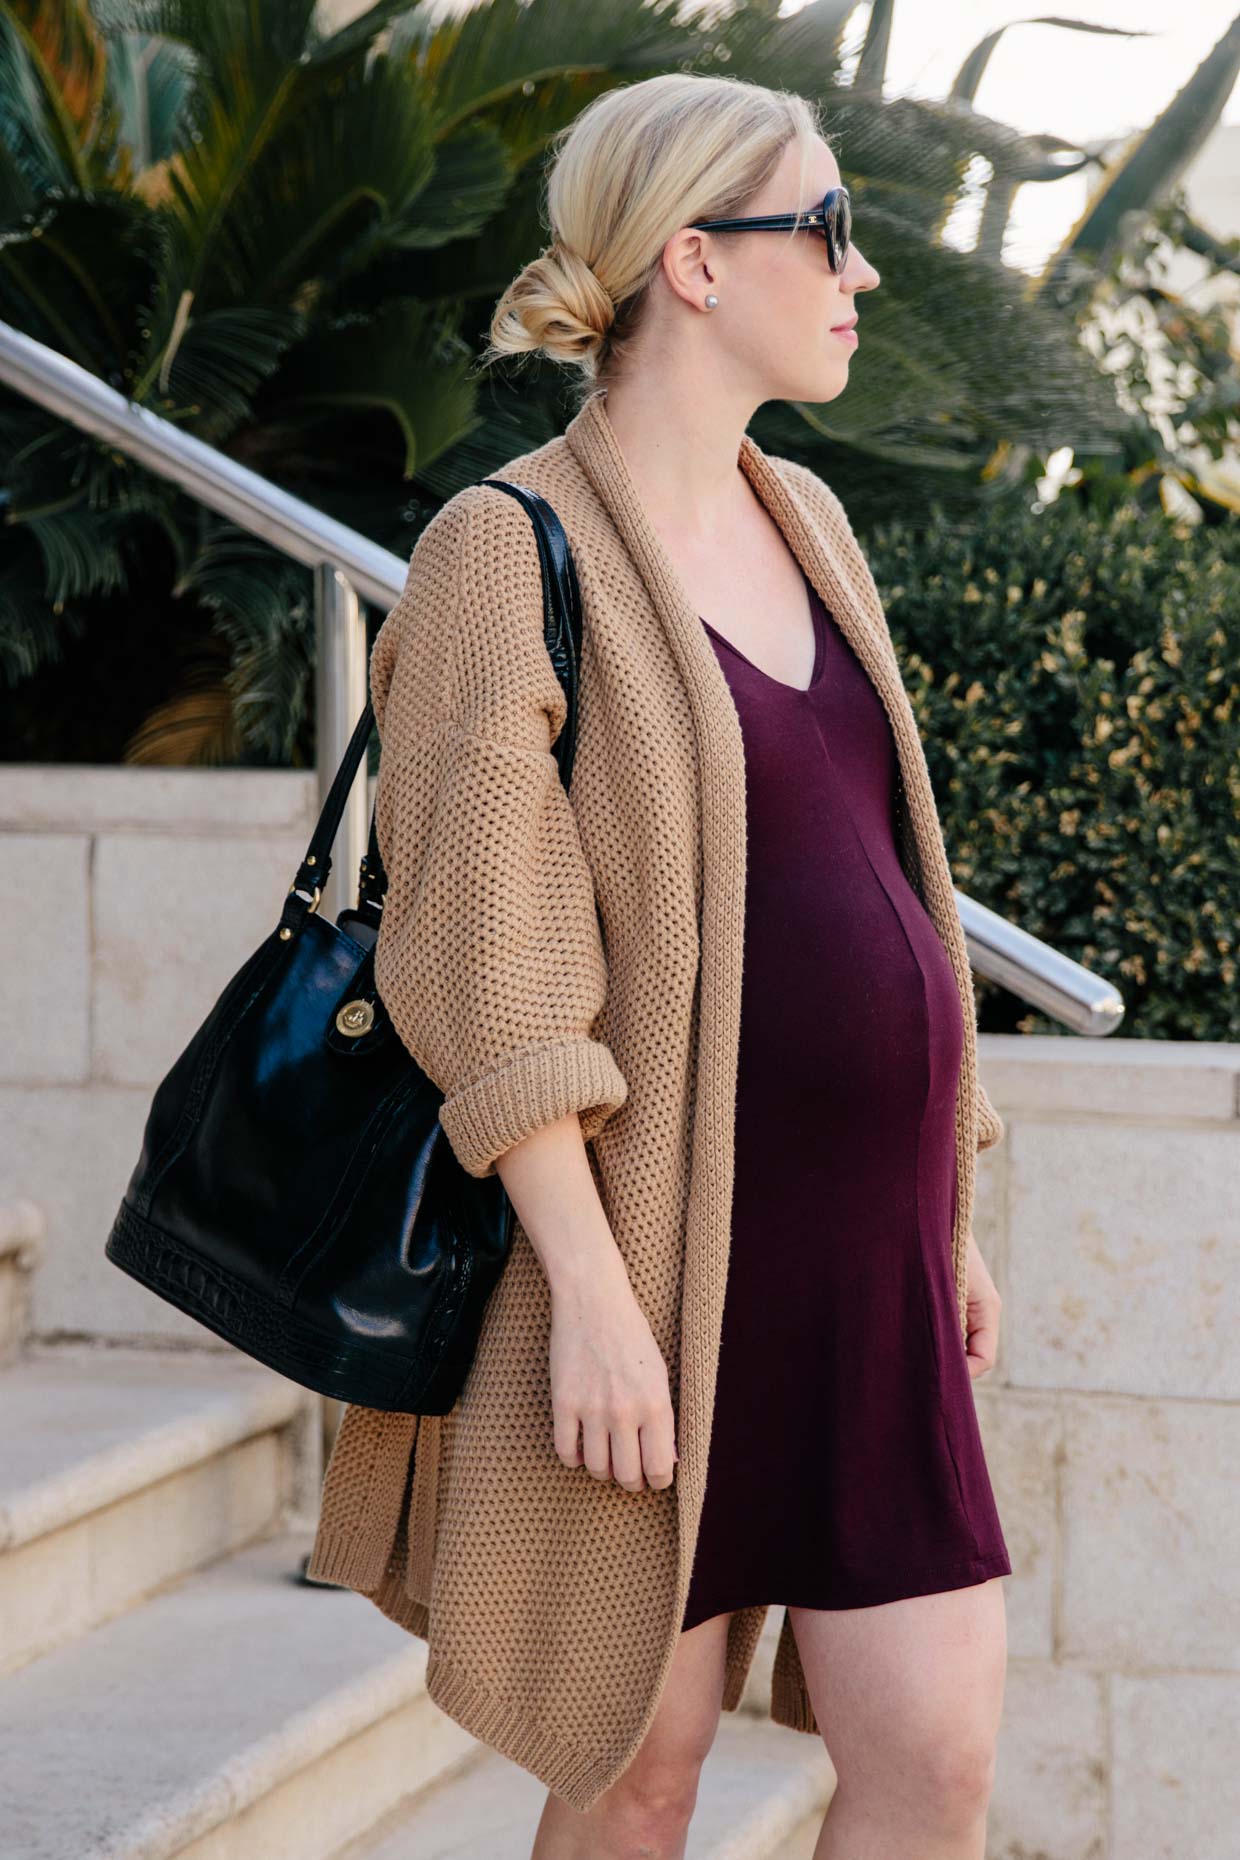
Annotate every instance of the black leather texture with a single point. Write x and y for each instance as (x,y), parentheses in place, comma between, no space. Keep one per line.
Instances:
(295,1191)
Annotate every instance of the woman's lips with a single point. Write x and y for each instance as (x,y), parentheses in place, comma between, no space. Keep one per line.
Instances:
(849,336)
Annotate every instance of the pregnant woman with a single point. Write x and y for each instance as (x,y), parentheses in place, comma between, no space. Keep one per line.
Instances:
(709,1015)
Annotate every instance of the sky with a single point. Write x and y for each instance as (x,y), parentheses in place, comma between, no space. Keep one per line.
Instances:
(1081,86)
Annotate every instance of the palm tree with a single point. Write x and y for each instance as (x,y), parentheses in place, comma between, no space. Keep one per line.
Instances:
(291,238)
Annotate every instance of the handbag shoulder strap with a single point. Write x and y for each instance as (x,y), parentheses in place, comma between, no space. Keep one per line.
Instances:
(562,632)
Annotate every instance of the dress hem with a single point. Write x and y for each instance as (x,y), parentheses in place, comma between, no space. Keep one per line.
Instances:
(930,1579)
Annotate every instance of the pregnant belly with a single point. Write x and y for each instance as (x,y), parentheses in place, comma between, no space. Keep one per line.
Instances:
(849,1006)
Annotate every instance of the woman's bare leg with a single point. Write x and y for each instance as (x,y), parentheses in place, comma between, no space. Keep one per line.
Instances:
(908,1696)
(645,1815)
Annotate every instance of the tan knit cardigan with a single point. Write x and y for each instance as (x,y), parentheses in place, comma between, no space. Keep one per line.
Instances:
(551,1601)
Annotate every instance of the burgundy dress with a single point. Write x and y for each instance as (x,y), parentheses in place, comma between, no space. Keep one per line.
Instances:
(846,1466)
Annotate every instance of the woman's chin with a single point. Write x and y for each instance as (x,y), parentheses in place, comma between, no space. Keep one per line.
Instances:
(828,385)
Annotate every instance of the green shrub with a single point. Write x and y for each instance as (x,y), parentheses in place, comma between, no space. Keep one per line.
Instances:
(1085,744)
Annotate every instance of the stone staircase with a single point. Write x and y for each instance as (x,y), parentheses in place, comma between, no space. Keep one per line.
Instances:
(171,1685)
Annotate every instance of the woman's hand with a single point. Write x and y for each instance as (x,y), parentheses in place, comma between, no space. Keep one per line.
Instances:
(982,1304)
(609,1383)
(608,1378)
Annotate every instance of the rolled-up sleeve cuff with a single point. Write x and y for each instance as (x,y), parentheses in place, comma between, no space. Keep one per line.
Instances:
(990,1126)
(486,1116)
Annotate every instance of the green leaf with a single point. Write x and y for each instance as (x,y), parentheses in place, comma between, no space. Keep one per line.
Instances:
(389,362)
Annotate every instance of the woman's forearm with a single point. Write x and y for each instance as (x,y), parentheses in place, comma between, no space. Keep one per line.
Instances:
(548,1179)
(610,1396)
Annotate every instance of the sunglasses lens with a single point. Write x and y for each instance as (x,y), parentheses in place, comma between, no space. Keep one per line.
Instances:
(837,222)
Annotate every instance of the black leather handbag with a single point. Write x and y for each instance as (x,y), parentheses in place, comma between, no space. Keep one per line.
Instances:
(296,1192)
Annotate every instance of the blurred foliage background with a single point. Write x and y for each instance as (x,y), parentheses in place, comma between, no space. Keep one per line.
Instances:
(290,239)
(1087,761)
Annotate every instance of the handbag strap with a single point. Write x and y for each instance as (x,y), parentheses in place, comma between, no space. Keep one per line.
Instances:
(562,633)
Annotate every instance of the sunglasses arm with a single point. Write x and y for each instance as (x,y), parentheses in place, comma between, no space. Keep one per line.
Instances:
(763,222)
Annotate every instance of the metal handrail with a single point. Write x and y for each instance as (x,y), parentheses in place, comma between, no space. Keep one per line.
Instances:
(348,564)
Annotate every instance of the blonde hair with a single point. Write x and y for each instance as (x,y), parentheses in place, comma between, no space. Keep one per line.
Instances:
(638,162)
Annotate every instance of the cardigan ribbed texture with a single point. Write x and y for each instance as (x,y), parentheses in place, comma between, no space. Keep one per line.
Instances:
(551,1601)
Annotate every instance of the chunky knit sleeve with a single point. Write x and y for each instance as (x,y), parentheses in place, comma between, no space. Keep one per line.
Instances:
(490,958)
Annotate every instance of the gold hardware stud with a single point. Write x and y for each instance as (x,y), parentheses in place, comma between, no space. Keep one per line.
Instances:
(356,1018)
(285,934)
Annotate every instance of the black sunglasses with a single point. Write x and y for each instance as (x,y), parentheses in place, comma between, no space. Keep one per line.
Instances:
(833,215)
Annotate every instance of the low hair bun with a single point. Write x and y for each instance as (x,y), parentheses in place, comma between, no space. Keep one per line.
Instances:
(556,305)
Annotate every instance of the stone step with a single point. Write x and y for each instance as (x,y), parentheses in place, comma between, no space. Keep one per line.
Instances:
(241,1714)
(764,1790)
(124,1468)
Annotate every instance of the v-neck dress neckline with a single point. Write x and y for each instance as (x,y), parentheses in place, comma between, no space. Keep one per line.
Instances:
(818,619)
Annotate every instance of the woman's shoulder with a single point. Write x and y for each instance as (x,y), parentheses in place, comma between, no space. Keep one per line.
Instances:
(484,535)
(478,517)
(468,626)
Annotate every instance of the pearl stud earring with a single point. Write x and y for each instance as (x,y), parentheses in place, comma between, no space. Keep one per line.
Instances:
(711,301)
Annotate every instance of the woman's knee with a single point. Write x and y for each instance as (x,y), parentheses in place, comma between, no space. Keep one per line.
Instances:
(660,1794)
(649,1809)
(646,1811)
(659,1788)
(958,1777)
(946,1783)
(665,1773)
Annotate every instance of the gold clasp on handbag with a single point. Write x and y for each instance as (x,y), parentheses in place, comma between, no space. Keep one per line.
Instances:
(314,902)
(356,1018)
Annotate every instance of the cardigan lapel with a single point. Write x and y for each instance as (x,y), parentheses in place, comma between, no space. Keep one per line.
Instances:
(593,440)
(721,812)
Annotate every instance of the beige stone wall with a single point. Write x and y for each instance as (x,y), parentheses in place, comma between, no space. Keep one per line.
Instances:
(1110,1217)
(128,898)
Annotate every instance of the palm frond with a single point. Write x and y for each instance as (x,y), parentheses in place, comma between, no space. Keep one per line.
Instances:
(1149,168)
(34,632)
(359,34)
(150,82)
(466,188)
(195,727)
(800,51)
(65,62)
(82,277)
(472,61)
(224,358)
(260,213)
(30,163)
(968,78)
(262,611)
(82,551)
(393,361)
